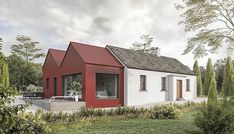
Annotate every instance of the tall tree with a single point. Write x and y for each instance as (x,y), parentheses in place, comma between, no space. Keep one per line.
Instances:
(26,48)
(203,73)
(196,70)
(208,76)
(211,22)
(23,73)
(4,74)
(228,81)
(212,94)
(144,45)
(219,71)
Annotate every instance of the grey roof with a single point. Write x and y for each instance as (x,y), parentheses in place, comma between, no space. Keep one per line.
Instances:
(140,60)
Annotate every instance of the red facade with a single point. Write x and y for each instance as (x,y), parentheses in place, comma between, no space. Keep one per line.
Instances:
(86,60)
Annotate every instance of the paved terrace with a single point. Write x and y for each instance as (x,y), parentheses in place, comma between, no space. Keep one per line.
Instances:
(71,106)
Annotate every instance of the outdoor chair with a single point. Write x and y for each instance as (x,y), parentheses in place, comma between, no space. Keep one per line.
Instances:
(69,95)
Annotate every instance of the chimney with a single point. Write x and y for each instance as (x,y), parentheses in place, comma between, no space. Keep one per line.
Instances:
(156,51)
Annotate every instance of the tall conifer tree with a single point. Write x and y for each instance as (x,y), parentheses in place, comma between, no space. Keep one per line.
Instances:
(4,73)
(208,76)
(227,77)
(197,71)
(212,93)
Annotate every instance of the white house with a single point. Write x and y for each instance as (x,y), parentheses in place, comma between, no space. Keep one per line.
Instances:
(152,78)
(114,76)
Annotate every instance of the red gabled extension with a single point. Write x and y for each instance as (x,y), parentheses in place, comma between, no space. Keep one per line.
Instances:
(95,55)
(51,70)
(58,55)
(86,60)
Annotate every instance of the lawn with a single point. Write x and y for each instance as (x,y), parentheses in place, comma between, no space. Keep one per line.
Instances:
(110,125)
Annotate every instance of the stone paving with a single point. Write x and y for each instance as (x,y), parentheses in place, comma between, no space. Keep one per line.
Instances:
(19,100)
(33,108)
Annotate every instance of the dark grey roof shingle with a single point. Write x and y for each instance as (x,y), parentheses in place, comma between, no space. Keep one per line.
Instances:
(140,60)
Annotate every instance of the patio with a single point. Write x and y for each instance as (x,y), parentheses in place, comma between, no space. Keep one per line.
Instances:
(44,104)
(59,105)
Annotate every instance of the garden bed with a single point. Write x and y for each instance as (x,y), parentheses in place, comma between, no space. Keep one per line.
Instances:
(114,125)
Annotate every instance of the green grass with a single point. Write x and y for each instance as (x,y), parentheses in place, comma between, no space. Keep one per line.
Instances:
(111,125)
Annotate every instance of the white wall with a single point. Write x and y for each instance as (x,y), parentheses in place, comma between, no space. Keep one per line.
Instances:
(187,95)
(153,93)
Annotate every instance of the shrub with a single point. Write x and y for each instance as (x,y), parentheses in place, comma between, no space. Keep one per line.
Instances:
(119,111)
(16,121)
(215,118)
(30,124)
(60,117)
(86,112)
(165,112)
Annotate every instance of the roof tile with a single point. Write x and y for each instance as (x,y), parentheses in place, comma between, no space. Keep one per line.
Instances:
(140,60)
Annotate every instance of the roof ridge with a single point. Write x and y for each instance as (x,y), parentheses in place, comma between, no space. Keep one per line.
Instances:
(78,43)
(57,49)
(147,61)
(140,52)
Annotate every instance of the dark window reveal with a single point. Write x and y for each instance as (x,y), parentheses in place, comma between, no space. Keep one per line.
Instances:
(143,82)
(187,85)
(47,83)
(163,83)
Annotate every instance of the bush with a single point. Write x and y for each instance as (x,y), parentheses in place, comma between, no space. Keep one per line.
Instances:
(60,117)
(119,111)
(215,118)
(165,112)
(15,121)
(30,124)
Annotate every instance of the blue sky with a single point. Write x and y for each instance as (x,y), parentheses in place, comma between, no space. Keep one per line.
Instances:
(99,22)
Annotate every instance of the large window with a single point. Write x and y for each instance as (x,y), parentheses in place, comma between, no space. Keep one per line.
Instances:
(142,83)
(68,80)
(163,83)
(107,85)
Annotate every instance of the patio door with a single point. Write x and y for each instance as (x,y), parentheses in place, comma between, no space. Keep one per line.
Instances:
(55,86)
(179,89)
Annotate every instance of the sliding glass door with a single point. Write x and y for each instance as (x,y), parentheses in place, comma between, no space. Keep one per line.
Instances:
(67,82)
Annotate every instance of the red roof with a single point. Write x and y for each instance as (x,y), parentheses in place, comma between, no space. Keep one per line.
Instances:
(95,55)
(57,55)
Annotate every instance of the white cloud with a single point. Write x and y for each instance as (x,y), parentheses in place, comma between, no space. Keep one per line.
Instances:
(56,22)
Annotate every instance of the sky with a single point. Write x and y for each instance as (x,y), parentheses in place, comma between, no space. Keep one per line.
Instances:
(54,23)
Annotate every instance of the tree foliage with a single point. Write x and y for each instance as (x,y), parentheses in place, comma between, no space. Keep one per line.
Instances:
(23,73)
(211,22)
(208,76)
(196,69)
(219,71)
(1,43)
(228,81)
(13,118)
(215,118)
(212,94)
(145,45)
(26,48)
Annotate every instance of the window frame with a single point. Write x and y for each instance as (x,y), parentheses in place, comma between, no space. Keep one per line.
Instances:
(117,84)
(188,85)
(64,91)
(144,83)
(163,79)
